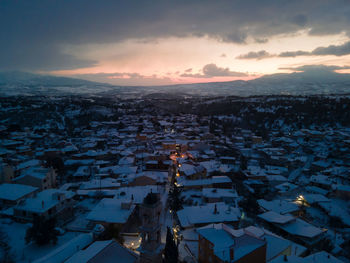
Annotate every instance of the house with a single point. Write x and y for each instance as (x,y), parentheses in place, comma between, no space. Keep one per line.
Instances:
(318,257)
(11,194)
(117,170)
(47,203)
(191,216)
(342,191)
(107,251)
(158,165)
(279,206)
(99,184)
(275,244)
(83,173)
(213,195)
(322,181)
(192,172)
(111,211)
(215,181)
(220,243)
(293,228)
(6,172)
(148,178)
(227,160)
(43,178)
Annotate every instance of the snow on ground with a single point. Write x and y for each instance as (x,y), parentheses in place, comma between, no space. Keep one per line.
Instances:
(28,252)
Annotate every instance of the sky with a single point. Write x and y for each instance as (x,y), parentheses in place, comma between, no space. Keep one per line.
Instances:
(160,42)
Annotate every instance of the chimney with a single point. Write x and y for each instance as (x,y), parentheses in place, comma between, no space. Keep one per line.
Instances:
(215,210)
(231,254)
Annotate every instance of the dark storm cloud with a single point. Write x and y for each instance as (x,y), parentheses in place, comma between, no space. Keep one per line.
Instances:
(33,32)
(212,70)
(340,50)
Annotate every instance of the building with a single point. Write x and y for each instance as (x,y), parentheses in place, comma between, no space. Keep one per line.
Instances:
(110,211)
(11,194)
(219,243)
(49,203)
(43,178)
(6,172)
(150,210)
(104,252)
(195,216)
(293,228)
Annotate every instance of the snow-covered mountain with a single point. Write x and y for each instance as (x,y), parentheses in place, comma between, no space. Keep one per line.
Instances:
(23,83)
(301,83)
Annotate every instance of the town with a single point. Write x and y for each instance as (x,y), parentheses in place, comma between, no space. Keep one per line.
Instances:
(167,179)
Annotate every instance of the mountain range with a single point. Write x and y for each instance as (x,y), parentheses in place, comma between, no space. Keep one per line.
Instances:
(299,83)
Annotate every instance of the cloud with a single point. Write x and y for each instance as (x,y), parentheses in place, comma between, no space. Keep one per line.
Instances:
(340,50)
(294,53)
(255,55)
(33,32)
(316,68)
(126,78)
(212,70)
(300,20)
(261,40)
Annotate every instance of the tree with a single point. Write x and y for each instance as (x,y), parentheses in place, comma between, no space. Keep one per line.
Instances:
(171,252)
(250,205)
(112,231)
(5,250)
(42,231)
(174,200)
(244,163)
(56,163)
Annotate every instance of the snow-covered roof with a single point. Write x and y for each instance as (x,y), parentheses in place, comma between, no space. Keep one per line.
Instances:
(14,192)
(110,210)
(44,200)
(208,181)
(191,215)
(224,237)
(118,169)
(126,161)
(27,164)
(274,217)
(275,243)
(189,169)
(302,228)
(322,257)
(219,193)
(65,251)
(278,206)
(315,198)
(104,251)
(100,183)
